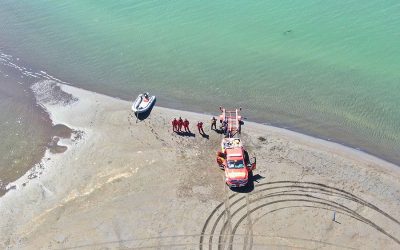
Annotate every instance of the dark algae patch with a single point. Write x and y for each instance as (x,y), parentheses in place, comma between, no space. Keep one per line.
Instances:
(55,148)
(62,131)
(262,139)
(59,131)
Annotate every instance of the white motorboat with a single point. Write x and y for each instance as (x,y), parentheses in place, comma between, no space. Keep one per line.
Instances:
(143,103)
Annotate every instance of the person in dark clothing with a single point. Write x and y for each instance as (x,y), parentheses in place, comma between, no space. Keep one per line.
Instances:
(180,124)
(200,127)
(225,127)
(186,125)
(174,125)
(240,126)
(213,123)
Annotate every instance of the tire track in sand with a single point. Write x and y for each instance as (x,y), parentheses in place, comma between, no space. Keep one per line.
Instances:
(289,194)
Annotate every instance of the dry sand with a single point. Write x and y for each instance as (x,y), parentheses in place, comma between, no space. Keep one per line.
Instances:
(125,183)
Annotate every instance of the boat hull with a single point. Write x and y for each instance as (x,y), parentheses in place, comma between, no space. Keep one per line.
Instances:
(141,105)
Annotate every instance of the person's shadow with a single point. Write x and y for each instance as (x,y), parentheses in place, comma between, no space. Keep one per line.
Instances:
(184,133)
(144,115)
(219,131)
(204,135)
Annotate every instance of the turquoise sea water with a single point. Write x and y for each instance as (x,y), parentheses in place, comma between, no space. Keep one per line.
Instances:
(326,68)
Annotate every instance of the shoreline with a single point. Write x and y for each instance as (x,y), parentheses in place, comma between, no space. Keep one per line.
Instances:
(355,146)
(282,130)
(347,150)
(36,73)
(125,180)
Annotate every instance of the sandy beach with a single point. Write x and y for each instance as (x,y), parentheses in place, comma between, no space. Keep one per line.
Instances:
(126,183)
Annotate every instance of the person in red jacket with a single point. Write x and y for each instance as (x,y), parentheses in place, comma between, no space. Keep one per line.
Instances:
(174,124)
(186,125)
(180,123)
(200,127)
(221,159)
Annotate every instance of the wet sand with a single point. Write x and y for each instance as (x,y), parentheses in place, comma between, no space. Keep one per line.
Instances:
(130,183)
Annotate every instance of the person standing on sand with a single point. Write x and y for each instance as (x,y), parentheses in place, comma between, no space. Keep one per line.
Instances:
(174,125)
(180,123)
(225,126)
(213,123)
(186,125)
(200,127)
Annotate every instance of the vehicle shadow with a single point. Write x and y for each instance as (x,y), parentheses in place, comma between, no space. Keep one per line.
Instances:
(144,115)
(250,185)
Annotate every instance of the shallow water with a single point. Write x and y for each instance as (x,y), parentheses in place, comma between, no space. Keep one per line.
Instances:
(25,129)
(329,69)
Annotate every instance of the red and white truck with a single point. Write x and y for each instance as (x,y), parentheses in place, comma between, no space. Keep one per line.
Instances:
(234,159)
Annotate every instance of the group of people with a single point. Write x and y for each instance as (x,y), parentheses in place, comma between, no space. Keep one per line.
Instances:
(177,125)
(223,126)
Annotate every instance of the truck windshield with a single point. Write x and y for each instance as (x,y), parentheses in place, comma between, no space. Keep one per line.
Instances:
(235,164)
